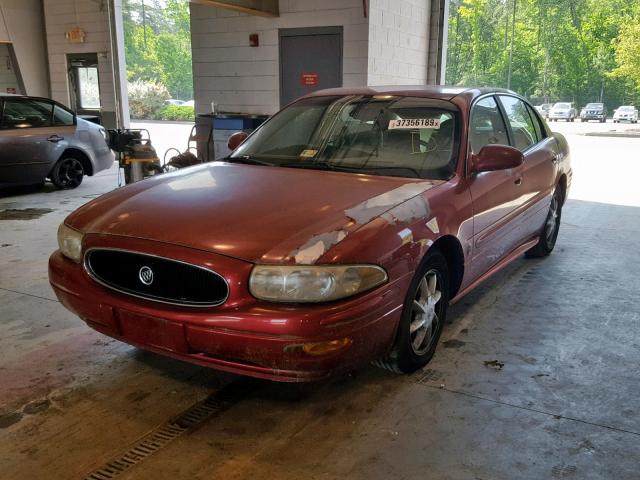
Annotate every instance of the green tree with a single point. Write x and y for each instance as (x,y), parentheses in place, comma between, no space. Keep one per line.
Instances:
(576,50)
(158,44)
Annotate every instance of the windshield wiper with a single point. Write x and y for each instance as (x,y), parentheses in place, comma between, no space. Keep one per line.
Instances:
(415,172)
(344,168)
(248,160)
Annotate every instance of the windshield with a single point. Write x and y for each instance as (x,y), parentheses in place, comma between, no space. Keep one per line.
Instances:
(562,105)
(382,135)
(626,109)
(594,105)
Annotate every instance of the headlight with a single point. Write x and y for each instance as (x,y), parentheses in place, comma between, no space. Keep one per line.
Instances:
(70,242)
(304,283)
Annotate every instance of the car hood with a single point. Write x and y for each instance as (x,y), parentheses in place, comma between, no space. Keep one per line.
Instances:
(254,213)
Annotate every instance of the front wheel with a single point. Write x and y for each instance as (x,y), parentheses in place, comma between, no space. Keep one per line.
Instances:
(549,234)
(67,173)
(423,316)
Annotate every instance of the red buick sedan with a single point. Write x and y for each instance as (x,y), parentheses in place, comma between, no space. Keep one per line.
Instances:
(336,234)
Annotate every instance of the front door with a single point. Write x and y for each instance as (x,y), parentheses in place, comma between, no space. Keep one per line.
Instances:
(496,195)
(310,59)
(32,139)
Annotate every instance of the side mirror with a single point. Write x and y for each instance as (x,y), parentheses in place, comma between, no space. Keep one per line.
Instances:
(236,140)
(496,157)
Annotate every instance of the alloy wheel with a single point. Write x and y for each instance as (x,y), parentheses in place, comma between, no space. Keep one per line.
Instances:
(424,316)
(70,172)
(552,220)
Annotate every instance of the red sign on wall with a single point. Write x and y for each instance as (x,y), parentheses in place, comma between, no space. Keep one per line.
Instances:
(310,79)
(11,90)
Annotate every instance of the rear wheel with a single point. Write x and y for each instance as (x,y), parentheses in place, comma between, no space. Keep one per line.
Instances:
(549,234)
(423,316)
(67,173)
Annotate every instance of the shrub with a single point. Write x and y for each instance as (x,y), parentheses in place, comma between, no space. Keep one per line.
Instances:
(176,112)
(146,99)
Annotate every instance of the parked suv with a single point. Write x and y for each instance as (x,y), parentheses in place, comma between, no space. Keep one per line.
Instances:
(563,111)
(40,139)
(594,111)
(626,113)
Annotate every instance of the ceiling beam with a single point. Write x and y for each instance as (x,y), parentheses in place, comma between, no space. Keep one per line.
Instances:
(262,8)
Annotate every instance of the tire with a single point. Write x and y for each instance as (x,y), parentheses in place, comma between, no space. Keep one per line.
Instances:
(67,173)
(427,296)
(549,234)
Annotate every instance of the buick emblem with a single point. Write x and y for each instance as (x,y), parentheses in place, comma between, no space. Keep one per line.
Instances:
(146,275)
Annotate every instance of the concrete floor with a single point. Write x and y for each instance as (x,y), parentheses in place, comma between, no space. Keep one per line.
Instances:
(536,376)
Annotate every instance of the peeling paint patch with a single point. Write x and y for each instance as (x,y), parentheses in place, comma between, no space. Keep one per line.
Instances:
(410,210)
(406,236)
(433,225)
(368,210)
(317,246)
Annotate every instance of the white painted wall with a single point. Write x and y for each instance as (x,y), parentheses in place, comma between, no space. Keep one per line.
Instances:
(398,42)
(21,23)
(246,79)
(93,17)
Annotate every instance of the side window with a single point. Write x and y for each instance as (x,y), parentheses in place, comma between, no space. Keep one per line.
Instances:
(62,117)
(540,133)
(26,114)
(487,125)
(524,133)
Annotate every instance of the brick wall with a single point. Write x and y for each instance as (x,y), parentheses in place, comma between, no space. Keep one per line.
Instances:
(64,15)
(21,23)
(246,79)
(398,42)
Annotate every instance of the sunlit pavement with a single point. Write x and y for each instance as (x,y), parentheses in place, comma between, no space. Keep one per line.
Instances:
(535,378)
(606,169)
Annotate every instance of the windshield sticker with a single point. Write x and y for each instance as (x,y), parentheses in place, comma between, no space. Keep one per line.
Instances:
(308,153)
(408,123)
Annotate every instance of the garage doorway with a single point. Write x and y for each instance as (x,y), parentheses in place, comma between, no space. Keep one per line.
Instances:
(310,60)
(10,78)
(84,85)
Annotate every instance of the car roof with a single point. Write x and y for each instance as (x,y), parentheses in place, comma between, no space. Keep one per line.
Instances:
(442,92)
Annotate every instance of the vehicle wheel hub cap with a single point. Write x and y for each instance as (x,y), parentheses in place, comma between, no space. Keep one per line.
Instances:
(71,172)
(552,219)
(424,318)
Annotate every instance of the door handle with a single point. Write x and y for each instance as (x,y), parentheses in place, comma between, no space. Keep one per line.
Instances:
(518,181)
(54,138)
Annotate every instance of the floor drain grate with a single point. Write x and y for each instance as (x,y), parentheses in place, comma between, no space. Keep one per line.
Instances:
(168,432)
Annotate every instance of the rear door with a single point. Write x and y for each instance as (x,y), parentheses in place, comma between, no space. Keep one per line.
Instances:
(539,167)
(310,60)
(31,139)
(496,195)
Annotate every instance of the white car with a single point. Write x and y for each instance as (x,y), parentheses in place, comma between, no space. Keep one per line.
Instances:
(563,111)
(626,113)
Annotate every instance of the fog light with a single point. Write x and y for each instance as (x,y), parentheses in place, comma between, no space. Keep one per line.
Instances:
(323,348)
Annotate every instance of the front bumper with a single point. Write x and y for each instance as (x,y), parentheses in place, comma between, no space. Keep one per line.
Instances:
(593,116)
(243,336)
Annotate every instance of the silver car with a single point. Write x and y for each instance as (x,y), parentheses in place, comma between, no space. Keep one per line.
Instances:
(40,139)
(563,111)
